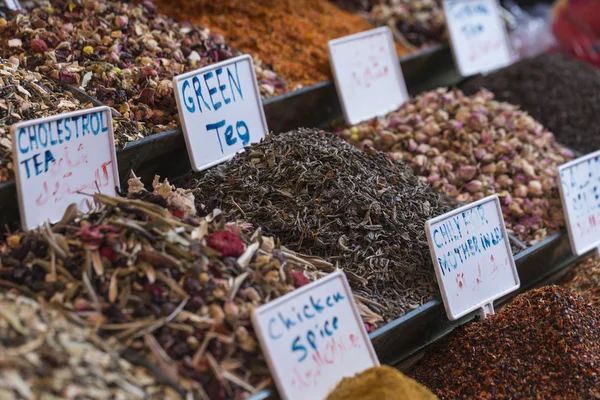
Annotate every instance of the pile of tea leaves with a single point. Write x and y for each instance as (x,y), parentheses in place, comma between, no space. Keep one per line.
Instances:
(324,197)
(177,289)
(545,344)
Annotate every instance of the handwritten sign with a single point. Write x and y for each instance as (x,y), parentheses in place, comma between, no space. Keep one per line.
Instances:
(367,74)
(313,337)
(60,159)
(220,110)
(580,193)
(13,4)
(472,258)
(478,36)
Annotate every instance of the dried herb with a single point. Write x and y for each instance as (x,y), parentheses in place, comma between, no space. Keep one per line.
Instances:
(45,356)
(124,55)
(323,197)
(414,22)
(469,147)
(557,90)
(544,345)
(178,289)
(26,95)
(289,35)
(584,280)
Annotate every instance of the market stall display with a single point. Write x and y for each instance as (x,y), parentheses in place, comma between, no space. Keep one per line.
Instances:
(544,344)
(558,91)
(584,279)
(288,35)
(321,196)
(121,54)
(178,289)
(469,147)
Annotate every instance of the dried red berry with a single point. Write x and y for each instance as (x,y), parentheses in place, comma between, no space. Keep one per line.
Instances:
(227,243)
(38,46)
(299,279)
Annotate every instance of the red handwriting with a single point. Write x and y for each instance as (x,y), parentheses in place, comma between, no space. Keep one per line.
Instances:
(334,353)
(368,69)
(480,50)
(588,225)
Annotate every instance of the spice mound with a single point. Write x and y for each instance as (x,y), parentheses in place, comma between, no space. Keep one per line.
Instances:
(557,90)
(584,280)
(470,147)
(380,383)
(544,344)
(44,356)
(323,197)
(288,35)
(124,55)
(176,288)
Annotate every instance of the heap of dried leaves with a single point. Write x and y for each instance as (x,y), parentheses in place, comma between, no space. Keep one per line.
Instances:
(469,147)
(545,344)
(45,356)
(26,95)
(124,55)
(584,279)
(321,196)
(180,290)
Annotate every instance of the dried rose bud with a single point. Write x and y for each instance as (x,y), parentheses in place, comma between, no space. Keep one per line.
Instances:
(38,46)
(535,188)
(473,186)
(420,160)
(467,172)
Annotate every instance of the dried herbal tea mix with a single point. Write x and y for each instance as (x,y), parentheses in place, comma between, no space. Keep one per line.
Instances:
(26,95)
(557,90)
(323,197)
(545,344)
(122,54)
(415,23)
(469,147)
(288,35)
(45,356)
(180,290)
(584,280)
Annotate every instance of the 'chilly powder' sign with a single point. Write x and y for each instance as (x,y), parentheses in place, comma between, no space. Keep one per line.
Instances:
(313,337)
(220,109)
(472,258)
(579,185)
(367,74)
(477,35)
(61,160)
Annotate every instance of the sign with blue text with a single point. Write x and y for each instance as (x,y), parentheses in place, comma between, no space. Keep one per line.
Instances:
(367,74)
(477,35)
(472,257)
(220,110)
(61,160)
(579,186)
(313,337)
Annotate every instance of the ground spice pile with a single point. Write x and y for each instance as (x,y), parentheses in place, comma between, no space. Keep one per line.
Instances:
(544,344)
(180,290)
(469,147)
(584,280)
(415,23)
(288,35)
(321,196)
(122,54)
(380,383)
(557,90)
(45,356)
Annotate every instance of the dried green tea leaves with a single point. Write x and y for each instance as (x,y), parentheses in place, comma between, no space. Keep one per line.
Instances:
(180,290)
(321,196)
(125,55)
(45,356)
(470,147)
(544,344)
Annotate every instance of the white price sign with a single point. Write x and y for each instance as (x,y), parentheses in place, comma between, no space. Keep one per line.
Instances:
(367,74)
(61,159)
(477,35)
(472,257)
(13,4)
(579,185)
(220,110)
(313,337)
